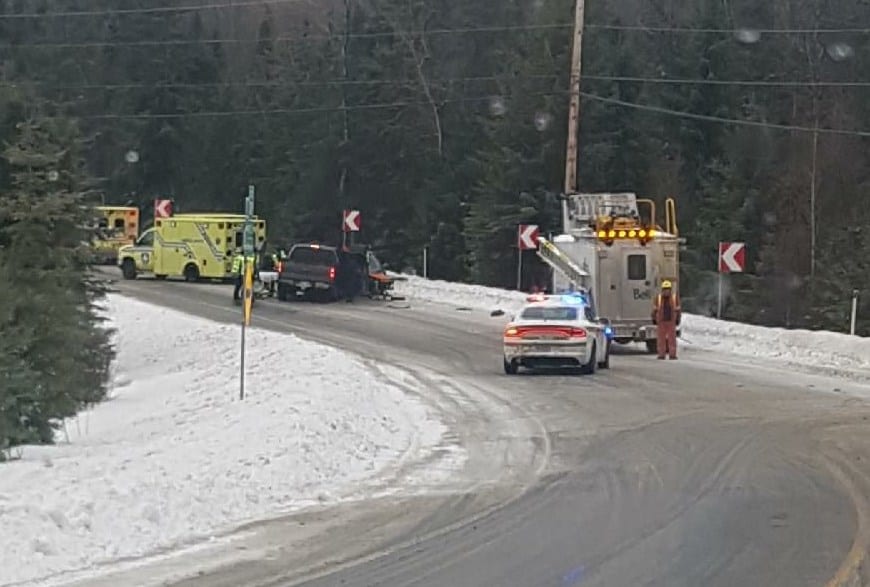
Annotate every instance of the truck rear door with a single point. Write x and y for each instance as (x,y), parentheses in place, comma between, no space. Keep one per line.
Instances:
(636,297)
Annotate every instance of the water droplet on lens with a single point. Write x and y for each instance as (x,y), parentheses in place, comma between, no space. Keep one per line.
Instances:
(543,121)
(497,106)
(747,36)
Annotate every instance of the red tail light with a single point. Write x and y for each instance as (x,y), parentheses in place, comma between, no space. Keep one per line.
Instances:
(332,274)
(280,267)
(550,331)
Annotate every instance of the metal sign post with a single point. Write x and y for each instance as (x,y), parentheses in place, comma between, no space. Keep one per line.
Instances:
(854,312)
(425,261)
(248,278)
(249,222)
(732,259)
(242,365)
(519,268)
(527,240)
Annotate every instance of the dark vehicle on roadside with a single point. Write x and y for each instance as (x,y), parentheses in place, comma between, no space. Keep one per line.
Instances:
(310,270)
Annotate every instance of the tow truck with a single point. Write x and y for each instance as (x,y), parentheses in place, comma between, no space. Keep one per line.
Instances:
(620,254)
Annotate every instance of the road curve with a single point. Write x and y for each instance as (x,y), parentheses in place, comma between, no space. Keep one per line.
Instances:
(704,471)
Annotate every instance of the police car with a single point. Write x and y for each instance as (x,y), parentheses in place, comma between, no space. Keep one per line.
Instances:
(557,331)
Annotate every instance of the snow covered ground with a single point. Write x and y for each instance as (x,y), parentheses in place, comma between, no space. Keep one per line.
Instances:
(174,457)
(835,353)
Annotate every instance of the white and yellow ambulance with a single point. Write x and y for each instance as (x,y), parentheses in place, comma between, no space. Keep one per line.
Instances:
(192,246)
(113,227)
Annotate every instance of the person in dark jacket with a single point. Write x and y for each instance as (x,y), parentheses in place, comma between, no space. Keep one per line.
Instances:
(348,281)
(356,277)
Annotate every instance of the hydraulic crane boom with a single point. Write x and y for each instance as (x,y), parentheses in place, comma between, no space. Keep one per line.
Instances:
(556,259)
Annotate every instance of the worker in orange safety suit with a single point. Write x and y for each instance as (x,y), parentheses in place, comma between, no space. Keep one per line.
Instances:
(666,316)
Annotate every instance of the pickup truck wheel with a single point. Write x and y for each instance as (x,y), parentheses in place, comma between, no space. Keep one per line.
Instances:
(191,272)
(652,346)
(282,292)
(128,269)
(510,367)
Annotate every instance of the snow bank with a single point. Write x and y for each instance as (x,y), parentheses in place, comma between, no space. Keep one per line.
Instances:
(461,295)
(836,353)
(833,352)
(174,456)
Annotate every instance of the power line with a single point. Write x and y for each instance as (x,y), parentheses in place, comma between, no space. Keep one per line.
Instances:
(157,10)
(312,110)
(287,38)
(731,31)
(721,119)
(268,84)
(406,103)
(405,82)
(304,36)
(241,4)
(725,82)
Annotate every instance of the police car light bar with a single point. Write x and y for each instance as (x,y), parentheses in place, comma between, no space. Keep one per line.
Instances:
(574,298)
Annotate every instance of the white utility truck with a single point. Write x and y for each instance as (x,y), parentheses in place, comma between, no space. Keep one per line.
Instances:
(620,255)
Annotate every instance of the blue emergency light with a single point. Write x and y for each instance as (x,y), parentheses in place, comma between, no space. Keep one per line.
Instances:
(575,298)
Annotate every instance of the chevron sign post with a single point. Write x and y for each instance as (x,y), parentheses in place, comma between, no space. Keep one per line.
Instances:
(732,259)
(527,240)
(351,220)
(162,208)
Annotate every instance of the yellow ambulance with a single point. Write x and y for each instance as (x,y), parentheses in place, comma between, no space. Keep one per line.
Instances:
(192,246)
(114,227)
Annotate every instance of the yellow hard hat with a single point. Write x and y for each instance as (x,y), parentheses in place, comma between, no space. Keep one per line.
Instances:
(667,284)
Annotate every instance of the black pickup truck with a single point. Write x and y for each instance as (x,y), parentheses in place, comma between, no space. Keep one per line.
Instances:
(310,270)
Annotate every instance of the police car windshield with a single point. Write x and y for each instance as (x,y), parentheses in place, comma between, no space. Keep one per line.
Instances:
(549,313)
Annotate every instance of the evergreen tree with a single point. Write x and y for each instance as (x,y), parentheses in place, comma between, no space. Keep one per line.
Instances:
(54,352)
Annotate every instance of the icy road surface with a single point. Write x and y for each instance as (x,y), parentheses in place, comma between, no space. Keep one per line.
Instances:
(831,353)
(174,457)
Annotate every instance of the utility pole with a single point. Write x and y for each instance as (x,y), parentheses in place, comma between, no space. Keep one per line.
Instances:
(574,107)
(813,199)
